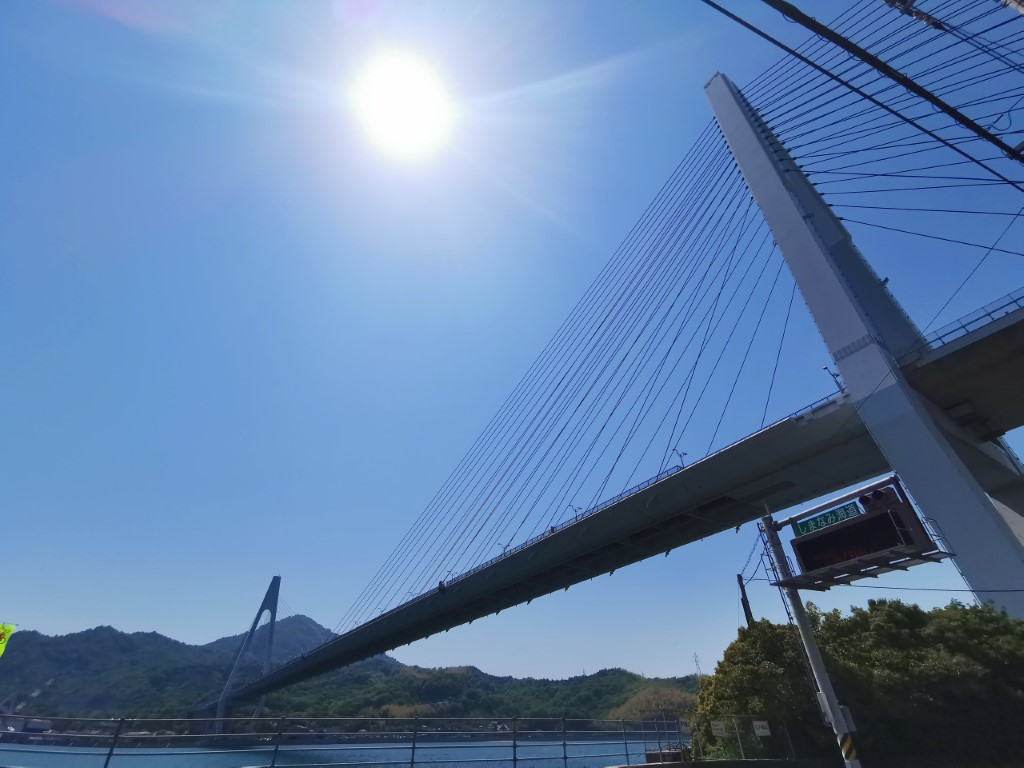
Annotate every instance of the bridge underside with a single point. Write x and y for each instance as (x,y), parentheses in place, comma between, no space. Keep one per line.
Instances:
(976,379)
(795,460)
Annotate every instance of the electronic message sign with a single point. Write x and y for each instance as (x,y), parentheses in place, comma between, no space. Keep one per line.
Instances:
(860,538)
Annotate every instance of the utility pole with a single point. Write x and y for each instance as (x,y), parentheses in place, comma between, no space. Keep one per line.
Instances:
(835,714)
(748,615)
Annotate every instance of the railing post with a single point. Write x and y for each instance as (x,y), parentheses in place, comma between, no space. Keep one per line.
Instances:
(412,756)
(694,726)
(277,740)
(792,752)
(515,745)
(113,742)
(683,749)
(739,740)
(565,750)
(625,741)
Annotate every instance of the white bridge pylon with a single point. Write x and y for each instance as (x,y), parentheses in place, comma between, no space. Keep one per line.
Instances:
(870,338)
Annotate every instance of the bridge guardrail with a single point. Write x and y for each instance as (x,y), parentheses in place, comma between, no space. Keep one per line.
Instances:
(305,743)
(609,502)
(969,323)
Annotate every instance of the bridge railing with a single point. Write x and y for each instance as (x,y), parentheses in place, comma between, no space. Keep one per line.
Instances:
(578,517)
(977,319)
(570,521)
(609,502)
(305,743)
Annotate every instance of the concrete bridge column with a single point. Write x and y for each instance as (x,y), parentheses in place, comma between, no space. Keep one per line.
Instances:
(866,333)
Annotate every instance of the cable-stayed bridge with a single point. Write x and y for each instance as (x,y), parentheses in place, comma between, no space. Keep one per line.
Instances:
(678,325)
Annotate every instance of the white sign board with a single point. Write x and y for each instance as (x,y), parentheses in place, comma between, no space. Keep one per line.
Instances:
(761,728)
(718,728)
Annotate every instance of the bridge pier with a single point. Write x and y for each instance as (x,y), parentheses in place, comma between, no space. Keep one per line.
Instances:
(869,337)
(269,605)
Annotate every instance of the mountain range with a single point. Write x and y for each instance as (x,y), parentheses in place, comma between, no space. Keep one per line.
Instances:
(103,672)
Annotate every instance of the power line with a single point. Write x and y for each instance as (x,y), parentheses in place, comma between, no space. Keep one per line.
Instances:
(858,90)
(753,549)
(866,56)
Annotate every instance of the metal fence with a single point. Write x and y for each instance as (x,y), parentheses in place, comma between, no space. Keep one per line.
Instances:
(301,743)
(745,737)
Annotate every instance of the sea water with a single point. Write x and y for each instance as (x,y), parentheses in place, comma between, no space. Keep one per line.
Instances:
(489,754)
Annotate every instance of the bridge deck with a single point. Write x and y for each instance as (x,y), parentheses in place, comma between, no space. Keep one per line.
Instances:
(800,458)
(977,378)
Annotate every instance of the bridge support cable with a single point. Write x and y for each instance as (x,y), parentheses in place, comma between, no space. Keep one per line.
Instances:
(595,394)
(680,320)
(526,395)
(549,455)
(652,393)
(546,386)
(866,333)
(628,377)
(556,396)
(778,355)
(488,521)
(601,387)
(761,251)
(433,525)
(746,356)
(604,393)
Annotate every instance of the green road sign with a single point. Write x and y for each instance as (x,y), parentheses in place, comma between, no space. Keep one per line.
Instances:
(825,519)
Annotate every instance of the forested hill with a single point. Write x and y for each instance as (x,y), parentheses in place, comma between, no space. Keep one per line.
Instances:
(292,636)
(103,672)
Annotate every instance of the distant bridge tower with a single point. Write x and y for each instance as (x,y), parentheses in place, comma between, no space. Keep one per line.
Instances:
(973,488)
(269,605)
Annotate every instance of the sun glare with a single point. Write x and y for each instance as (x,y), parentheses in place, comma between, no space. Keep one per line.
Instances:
(404,106)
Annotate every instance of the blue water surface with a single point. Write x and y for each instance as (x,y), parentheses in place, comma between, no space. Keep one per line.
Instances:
(490,754)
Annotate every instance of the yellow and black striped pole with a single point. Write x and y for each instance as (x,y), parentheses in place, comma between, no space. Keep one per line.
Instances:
(835,714)
(849,751)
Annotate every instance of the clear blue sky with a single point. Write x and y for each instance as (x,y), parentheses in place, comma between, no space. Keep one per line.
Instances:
(239,341)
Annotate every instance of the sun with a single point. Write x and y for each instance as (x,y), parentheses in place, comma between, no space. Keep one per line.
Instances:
(404,106)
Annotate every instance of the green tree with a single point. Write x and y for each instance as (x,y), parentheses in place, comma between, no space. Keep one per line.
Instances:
(948,681)
(655,698)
